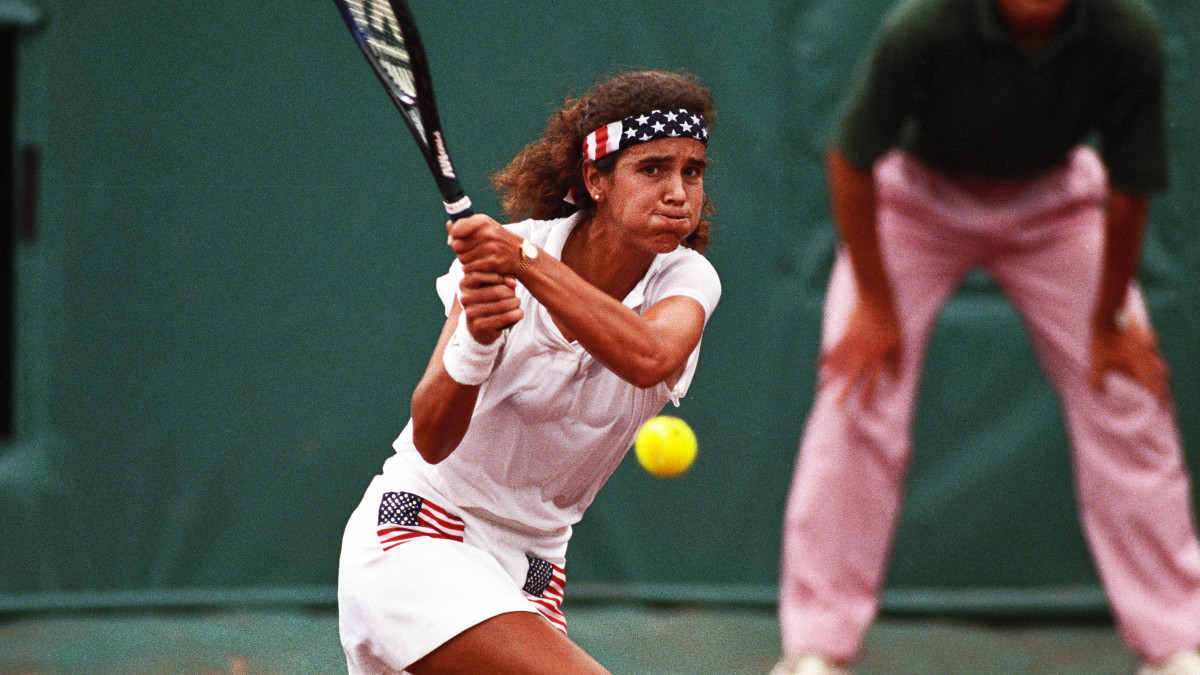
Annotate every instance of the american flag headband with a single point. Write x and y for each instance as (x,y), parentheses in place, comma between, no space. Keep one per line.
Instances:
(649,126)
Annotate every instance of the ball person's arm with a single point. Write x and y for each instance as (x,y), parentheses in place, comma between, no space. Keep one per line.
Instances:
(871,342)
(442,407)
(644,350)
(1126,345)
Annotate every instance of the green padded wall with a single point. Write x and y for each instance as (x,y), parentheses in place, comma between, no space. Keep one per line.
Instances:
(230,298)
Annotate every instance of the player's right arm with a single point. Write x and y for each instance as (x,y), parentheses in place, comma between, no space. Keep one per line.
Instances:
(442,406)
(871,341)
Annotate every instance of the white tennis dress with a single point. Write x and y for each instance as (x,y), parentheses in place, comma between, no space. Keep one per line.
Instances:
(435,549)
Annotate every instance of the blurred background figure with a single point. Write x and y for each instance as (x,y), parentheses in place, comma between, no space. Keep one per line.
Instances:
(963,144)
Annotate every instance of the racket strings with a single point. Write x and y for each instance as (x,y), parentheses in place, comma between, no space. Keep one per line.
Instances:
(378,25)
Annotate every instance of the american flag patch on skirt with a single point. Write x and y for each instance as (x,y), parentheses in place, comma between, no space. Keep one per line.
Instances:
(544,585)
(404,516)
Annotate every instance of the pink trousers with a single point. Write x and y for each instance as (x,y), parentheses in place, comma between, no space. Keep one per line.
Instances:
(1041,243)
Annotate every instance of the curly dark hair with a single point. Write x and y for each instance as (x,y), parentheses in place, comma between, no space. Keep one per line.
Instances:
(536,180)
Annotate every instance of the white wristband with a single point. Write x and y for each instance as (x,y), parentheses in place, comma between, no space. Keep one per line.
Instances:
(467,360)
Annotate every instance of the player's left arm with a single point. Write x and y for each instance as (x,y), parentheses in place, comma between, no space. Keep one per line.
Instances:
(643,349)
(1120,341)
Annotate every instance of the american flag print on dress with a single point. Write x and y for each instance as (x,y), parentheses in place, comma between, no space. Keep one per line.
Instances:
(404,516)
(544,584)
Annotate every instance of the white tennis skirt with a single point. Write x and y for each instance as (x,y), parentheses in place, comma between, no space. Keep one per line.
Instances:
(415,571)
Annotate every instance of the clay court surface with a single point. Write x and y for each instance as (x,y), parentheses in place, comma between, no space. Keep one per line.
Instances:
(628,639)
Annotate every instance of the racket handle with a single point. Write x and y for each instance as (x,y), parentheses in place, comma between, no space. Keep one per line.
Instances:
(459,208)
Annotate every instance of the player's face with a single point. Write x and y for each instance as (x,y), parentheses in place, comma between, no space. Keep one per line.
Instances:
(656,191)
(1032,16)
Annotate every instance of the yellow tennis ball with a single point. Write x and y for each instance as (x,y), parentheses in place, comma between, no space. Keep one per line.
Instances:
(665,446)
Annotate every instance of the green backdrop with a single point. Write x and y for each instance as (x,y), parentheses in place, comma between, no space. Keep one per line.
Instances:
(230,298)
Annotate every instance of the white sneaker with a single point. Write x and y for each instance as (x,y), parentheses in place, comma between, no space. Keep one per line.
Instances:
(1183,663)
(811,664)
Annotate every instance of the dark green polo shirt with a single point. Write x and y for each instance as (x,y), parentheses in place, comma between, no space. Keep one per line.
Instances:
(946,82)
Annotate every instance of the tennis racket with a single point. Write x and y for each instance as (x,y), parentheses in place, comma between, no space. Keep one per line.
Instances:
(387,35)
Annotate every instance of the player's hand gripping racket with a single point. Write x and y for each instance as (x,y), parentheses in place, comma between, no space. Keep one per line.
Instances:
(387,35)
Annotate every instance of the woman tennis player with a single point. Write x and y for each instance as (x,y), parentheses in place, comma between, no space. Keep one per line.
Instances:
(564,333)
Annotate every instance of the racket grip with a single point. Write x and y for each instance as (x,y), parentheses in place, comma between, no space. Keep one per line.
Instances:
(459,208)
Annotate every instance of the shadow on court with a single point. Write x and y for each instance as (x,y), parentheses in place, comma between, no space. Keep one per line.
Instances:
(628,639)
